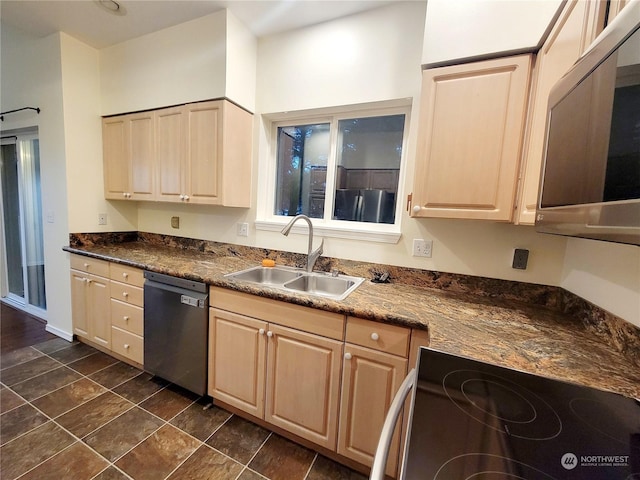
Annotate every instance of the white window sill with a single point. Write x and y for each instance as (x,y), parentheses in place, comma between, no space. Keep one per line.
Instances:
(352,231)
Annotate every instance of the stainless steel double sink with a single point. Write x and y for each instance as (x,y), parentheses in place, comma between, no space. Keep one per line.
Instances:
(298,280)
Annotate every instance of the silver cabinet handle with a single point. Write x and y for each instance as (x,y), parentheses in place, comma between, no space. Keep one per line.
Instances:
(384,444)
(126,346)
(375,336)
(125,275)
(347,356)
(269,334)
(125,294)
(261,331)
(186,198)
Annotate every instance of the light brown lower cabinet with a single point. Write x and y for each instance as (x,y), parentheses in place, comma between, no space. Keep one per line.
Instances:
(90,307)
(237,360)
(288,377)
(105,312)
(301,370)
(370,380)
(303,384)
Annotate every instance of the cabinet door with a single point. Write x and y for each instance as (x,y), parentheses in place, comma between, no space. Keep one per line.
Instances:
(79,304)
(98,308)
(237,356)
(471,127)
(115,158)
(141,144)
(370,380)
(204,152)
(170,154)
(303,382)
(576,28)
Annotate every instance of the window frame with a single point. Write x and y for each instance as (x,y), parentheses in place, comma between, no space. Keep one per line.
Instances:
(328,227)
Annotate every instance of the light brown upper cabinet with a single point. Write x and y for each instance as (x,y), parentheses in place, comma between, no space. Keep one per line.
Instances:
(128,143)
(578,25)
(471,124)
(202,154)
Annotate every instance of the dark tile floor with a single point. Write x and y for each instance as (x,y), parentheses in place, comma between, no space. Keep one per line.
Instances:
(68,411)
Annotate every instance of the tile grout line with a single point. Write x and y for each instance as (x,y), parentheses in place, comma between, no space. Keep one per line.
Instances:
(306,475)
(260,448)
(56,389)
(107,468)
(219,426)
(20,363)
(46,460)
(41,373)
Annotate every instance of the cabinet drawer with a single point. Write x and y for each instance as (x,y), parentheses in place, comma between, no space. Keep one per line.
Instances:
(327,324)
(125,274)
(127,317)
(90,265)
(127,293)
(379,336)
(127,344)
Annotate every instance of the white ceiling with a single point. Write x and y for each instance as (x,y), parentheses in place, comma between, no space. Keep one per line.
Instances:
(89,22)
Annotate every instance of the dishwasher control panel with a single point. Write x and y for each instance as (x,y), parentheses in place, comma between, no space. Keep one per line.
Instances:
(193,302)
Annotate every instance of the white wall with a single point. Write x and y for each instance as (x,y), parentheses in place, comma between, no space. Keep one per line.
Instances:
(176,65)
(606,274)
(461,29)
(83,141)
(31,76)
(242,51)
(357,59)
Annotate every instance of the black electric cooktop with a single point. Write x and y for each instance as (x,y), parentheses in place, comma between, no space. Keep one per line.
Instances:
(476,421)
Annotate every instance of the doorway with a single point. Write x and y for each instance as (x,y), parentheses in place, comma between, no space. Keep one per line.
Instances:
(23,284)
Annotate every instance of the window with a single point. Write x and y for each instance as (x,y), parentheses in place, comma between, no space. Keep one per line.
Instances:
(342,170)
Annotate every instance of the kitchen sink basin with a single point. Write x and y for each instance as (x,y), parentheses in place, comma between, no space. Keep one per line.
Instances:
(267,275)
(325,286)
(336,287)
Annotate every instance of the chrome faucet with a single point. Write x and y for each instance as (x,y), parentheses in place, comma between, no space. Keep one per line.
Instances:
(312,257)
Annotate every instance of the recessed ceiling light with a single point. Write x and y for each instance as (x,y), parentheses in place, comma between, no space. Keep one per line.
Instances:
(111,6)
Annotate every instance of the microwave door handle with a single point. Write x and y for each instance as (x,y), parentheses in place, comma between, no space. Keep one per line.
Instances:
(384,444)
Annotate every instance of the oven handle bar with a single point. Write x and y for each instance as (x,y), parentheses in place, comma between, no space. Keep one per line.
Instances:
(382,451)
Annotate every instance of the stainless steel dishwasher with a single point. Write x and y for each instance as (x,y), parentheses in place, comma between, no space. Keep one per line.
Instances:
(175,330)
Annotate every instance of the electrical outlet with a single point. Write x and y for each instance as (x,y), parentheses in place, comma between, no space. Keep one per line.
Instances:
(520,258)
(175,222)
(242,229)
(102,219)
(422,248)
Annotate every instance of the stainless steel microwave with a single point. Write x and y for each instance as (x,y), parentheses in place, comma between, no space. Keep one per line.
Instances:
(590,179)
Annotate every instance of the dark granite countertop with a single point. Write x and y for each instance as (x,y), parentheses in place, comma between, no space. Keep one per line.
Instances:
(532,338)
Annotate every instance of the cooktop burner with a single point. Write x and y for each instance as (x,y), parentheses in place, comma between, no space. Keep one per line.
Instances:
(487,398)
(476,421)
